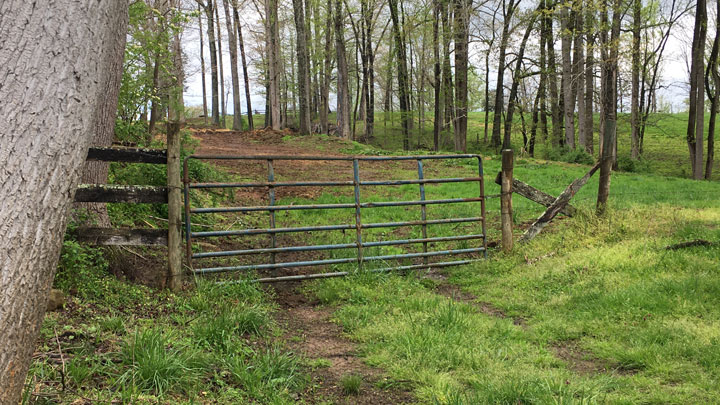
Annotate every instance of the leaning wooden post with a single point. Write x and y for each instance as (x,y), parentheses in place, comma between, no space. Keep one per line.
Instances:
(506,200)
(175,270)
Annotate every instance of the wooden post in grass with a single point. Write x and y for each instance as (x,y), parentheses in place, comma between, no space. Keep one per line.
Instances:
(175,270)
(506,199)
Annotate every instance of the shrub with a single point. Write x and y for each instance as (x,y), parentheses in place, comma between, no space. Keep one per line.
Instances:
(81,268)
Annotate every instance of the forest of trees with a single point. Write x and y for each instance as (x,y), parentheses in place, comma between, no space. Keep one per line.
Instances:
(553,63)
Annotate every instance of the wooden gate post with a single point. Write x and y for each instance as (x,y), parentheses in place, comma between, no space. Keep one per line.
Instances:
(506,200)
(175,270)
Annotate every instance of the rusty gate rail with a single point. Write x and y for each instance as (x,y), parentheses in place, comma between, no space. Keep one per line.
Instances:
(358,225)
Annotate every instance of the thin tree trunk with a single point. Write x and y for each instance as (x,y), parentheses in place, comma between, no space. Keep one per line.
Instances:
(568,96)
(578,74)
(402,73)
(499,87)
(370,80)
(446,70)
(212,46)
(635,92)
(714,96)
(327,68)
(272,44)
(303,68)
(462,24)
(202,66)
(517,77)
(556,112)
(589,77)
(437,78)
(609,99)
(232,46)
(246,78)
(697,96)
(343,102)
(37,197)
(223,106)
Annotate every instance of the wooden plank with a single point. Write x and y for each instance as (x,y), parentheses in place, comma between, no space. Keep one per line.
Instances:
(535,195)
(124,237)
(120,193)
(132,155)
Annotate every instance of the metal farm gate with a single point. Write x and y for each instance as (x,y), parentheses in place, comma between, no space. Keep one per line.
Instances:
(265,261)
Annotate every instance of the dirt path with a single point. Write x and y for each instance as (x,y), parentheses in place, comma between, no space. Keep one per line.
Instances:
(308,327)
(310,330)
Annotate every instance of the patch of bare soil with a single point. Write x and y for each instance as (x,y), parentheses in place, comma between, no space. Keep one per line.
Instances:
(584,362)
(310,331)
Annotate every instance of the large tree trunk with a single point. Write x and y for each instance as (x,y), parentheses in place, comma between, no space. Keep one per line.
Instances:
(84,36)
(343,102)
(232,46)
(499,87)
(272,43)
(303,68)
(462,24)
(697,96)
(402,73)
(96,172)
(568,96)
(635,92)
(251,126)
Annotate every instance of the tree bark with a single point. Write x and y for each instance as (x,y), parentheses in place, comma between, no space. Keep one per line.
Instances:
(579,73)
(327,69)
(370,73)
(303,69)
(202,66)
(635,92)
(223,106)
(714,96)
(588,142)
(241,42)
(272,44)
(402,73)
(66,88)
(609,99)
(568,96)
(437,78)
(446,70)
(697,96)
(499,87)
(343,102)
(214,84)
(517,77)
(462,25)
(556,112)
(232,47)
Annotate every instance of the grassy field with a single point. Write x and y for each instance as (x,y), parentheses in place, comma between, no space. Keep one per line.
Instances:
(594,310)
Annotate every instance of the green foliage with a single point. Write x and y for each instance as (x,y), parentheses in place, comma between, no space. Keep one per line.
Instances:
(81,268)
(265,376)
(628,164)
(577,155)
(351,384)
(156,365)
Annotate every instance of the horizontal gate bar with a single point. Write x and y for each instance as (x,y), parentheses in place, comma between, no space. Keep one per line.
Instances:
(335,183)
(335,261)
(345,273)
(206,234)
(331,158)
(330,247)
(121,237)
(332,206)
